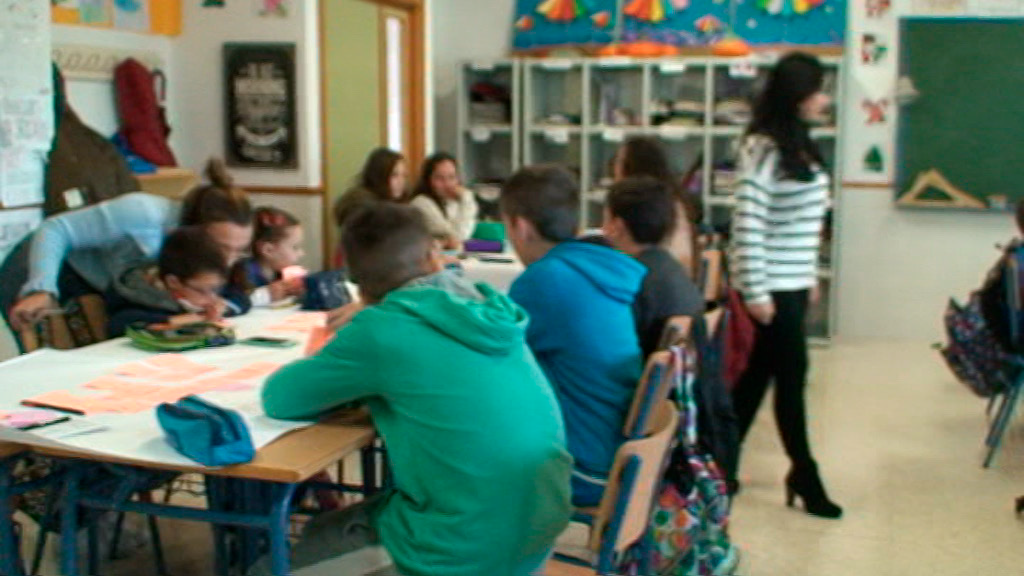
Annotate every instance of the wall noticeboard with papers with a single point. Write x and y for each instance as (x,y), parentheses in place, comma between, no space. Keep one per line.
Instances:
(26,115)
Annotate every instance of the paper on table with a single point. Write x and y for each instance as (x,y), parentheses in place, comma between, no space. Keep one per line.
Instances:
(178,375)
(138,370)
(62,399)
(26,418)
(113,384)
(252,371)
(178,362)
(303,322)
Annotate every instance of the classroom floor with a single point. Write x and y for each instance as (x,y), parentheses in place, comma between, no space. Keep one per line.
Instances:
(899,443)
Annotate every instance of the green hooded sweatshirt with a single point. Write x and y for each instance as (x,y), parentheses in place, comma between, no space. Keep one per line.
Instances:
(474,433)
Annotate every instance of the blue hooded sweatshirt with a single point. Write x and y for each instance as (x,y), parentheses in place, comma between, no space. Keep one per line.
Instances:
(582,332)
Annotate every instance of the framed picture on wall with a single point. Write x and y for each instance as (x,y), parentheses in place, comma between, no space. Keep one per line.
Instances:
(261,108)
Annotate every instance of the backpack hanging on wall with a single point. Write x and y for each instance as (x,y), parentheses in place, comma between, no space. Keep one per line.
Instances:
(140,109)
(83,167)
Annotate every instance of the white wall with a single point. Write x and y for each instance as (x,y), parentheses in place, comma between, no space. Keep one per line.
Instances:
(899,267)
(93,100)
(463,30)
(199,90)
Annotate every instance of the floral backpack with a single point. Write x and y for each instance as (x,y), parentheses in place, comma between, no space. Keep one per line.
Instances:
(690,519)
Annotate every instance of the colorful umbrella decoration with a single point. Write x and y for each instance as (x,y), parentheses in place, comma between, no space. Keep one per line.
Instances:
(788,7)
(654,11)
(709,25)
(562,10)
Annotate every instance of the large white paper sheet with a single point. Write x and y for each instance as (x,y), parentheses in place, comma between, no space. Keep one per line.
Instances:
(138,436)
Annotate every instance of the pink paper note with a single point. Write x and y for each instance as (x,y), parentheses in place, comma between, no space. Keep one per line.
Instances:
(257,370)
(124,405)
(112,384)
(179,363)
(64,400)
(30,418)
(138,370)
(177,376)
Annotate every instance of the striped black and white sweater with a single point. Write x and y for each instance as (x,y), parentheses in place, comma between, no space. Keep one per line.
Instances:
(776,228)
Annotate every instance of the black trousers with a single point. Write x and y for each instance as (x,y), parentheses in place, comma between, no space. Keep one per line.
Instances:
(780,358)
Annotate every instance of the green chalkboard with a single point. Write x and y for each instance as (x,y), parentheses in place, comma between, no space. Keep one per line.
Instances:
(968,122)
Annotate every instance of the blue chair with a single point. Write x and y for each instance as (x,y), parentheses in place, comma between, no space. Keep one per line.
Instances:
(1010,397)
(620,526)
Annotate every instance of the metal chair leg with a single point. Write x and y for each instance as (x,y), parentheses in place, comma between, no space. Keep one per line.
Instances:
(1002,422)
(115,539)
(45,523)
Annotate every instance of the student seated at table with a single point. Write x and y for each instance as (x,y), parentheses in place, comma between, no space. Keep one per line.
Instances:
(579,296)
(449,209)
(639,215)
(474,433)
(276,245)
(181,287)
(99,241)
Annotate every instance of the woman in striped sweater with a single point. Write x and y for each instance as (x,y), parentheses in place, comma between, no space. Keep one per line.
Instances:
(782,197)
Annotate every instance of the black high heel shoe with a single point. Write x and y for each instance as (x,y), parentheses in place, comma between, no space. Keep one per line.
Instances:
(805,483)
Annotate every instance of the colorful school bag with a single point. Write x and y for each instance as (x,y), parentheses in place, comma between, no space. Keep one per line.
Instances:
(981,334)
(690,519)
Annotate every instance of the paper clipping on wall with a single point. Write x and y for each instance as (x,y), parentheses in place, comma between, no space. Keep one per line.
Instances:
(15,225)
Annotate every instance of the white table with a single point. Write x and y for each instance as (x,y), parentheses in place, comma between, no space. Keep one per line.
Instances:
(501,275)
(137,437)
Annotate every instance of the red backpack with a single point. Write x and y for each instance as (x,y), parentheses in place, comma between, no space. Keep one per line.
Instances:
(144,126)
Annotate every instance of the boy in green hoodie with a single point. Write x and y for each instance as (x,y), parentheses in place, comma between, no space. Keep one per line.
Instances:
(474,432)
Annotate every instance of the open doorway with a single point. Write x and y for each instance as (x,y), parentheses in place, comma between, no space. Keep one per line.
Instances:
(373,81)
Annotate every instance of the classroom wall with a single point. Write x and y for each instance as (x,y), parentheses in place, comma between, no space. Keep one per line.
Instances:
(899,267)
(94,100)
(462,30)
(199,90)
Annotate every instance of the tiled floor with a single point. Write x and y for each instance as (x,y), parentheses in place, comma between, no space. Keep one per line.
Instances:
(899,444)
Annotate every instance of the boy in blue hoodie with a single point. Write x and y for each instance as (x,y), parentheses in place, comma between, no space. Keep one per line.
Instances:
(474,433)
(580,300)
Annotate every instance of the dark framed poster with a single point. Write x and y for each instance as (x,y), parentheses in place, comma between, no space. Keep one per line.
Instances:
(261,108)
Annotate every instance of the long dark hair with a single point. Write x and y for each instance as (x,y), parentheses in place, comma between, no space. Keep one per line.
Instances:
(376,174)
(423,187)
(794,79)
(218,201)
(646,156)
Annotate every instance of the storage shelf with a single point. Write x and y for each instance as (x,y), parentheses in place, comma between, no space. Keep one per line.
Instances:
(543,128)
(492,128)
(594,88)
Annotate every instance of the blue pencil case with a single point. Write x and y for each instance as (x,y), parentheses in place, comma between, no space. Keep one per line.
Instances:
(205,432)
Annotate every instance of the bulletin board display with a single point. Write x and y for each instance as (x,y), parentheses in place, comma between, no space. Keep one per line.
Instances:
(143,16)
(542,24)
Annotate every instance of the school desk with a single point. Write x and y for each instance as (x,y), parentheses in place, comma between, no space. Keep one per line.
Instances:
(255,496)
(484,268)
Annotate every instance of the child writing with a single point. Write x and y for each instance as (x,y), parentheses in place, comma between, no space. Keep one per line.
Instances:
(181,287)
(276,245)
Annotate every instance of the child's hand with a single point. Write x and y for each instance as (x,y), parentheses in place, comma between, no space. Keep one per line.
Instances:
(215,312)
(279,290)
